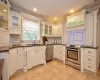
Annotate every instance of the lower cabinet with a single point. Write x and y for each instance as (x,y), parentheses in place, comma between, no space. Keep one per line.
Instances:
(90,60)
(16,60)
(29,56)
(13,61)
(19,58)
(35,56)
(59,52)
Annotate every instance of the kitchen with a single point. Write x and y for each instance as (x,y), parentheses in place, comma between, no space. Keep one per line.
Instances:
(35,47)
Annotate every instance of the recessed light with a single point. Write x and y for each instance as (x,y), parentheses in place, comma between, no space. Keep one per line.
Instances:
(55,18)
(35,9)
(5,10)
(71,11)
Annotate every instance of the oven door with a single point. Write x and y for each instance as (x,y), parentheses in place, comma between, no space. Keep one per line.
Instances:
(73,55)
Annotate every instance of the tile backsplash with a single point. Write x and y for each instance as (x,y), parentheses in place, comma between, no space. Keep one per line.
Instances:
(14,40)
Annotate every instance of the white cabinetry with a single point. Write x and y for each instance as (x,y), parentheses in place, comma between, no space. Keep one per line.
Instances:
(13,61)
(40,54)
(57,30)
(91,29)
(15,22)
(90,60)
(59,52)
(35,56)
(29,56)
(46,29)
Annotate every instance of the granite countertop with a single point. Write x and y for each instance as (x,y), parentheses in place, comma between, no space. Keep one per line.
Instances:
(4,49)
(1,66)
(92,47)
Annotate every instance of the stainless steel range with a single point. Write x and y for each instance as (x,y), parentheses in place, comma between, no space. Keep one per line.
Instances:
(73,56)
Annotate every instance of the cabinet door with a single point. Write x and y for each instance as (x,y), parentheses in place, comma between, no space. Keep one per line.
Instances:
(30,57)
(56,51)
(13,56)
(15,23)
(39,55)
(89,29)
(50,30)
(46,29)
(57,31)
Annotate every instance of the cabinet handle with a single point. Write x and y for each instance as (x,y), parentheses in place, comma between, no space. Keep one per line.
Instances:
(25,58)
(89,59)
(89,66)
(89,52)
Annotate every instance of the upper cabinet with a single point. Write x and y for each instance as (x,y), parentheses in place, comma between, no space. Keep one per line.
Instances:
(92,29)
(46,29)
(76,19)
(15,23)
(89,29)
(4,23)
(51,30)
(3,17)
(57,30)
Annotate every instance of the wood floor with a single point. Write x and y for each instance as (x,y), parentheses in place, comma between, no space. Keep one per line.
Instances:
(54,71)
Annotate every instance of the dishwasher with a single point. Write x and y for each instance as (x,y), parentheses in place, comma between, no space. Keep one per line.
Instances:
(49,52)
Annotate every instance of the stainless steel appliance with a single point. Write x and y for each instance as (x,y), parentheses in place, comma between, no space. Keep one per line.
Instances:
(49,52)
(73,56)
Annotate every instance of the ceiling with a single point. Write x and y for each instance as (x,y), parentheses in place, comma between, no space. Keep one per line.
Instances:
(51,7)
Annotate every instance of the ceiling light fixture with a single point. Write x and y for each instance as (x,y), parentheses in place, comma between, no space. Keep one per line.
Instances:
(71,11)
(35,9)
(5,10)
(55,18)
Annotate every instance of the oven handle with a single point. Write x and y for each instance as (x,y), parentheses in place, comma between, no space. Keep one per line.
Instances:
(73,50)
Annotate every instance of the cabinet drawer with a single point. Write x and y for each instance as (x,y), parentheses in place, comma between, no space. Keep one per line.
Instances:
(90,59)
(90,67)
(90,52)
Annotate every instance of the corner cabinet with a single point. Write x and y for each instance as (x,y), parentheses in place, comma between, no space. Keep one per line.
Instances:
(57,30)
(51,30)
(15,22)
(59,52)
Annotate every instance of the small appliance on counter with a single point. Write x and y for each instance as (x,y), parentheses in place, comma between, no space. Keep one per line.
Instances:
(44,39)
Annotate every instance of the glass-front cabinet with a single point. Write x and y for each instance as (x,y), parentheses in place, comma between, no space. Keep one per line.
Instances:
(46,29)
(3,17)
(15,22)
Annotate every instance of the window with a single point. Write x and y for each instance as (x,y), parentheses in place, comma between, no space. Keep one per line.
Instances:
(31,29)
(76,37)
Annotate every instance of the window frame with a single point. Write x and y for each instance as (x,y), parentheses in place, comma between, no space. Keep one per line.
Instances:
(28,17)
